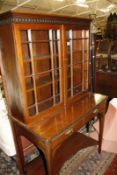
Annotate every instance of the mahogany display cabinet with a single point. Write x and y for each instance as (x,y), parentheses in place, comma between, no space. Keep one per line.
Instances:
(46,62)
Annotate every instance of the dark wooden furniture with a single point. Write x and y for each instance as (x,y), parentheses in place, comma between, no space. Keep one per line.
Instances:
(106,68)
(46,62)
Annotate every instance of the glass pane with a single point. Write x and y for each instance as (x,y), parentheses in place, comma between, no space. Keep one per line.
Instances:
(27,68)
(69,72)
(56,74)
(85,73)
(55,47)
(24,36)
(68,47)
(57,88)
(85,76)
(43,93)
(29,83)
(77,57)
(56,62)
(57,98)
(77,34)
(86,55)
(41,49)
(40,35)
(86,44)
(69,80)
(44,79)
(85,85)
(85,66)
(77,61)
(30,98)
(26,52)
(42,65)
(77,90)
(32,110)
(68,59)
(77,45)
(68,35)
(69,83)
(55,35)
(69,92)
(86,33)
(45,105)
(77,74)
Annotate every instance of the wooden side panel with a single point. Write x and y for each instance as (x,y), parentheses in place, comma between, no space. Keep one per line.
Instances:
(9,61)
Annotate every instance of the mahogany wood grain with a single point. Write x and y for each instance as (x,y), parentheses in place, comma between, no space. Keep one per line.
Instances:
(54,132)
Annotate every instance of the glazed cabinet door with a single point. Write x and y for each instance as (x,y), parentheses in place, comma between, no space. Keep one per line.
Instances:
(42,67)
(77,61)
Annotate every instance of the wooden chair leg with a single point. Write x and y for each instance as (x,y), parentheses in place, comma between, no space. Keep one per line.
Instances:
(101,125)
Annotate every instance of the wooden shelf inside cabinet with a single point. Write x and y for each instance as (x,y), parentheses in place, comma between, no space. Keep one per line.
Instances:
(39,41)
(47,83)
(76,39)
(41,58)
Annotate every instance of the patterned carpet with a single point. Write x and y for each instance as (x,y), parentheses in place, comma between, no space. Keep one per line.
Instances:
(84,162)
(7,165)
(87,162)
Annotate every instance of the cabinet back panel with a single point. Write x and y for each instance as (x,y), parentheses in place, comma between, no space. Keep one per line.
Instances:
(27,68)
(42,65)
(31,98)
(44,93)
(26,52)
(40,35)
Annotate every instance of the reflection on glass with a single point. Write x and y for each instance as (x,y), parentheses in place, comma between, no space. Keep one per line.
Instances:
(77,53)
(41,55)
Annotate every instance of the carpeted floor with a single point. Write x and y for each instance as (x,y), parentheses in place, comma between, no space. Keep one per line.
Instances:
(7,165)
(88,162)
(84,162)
